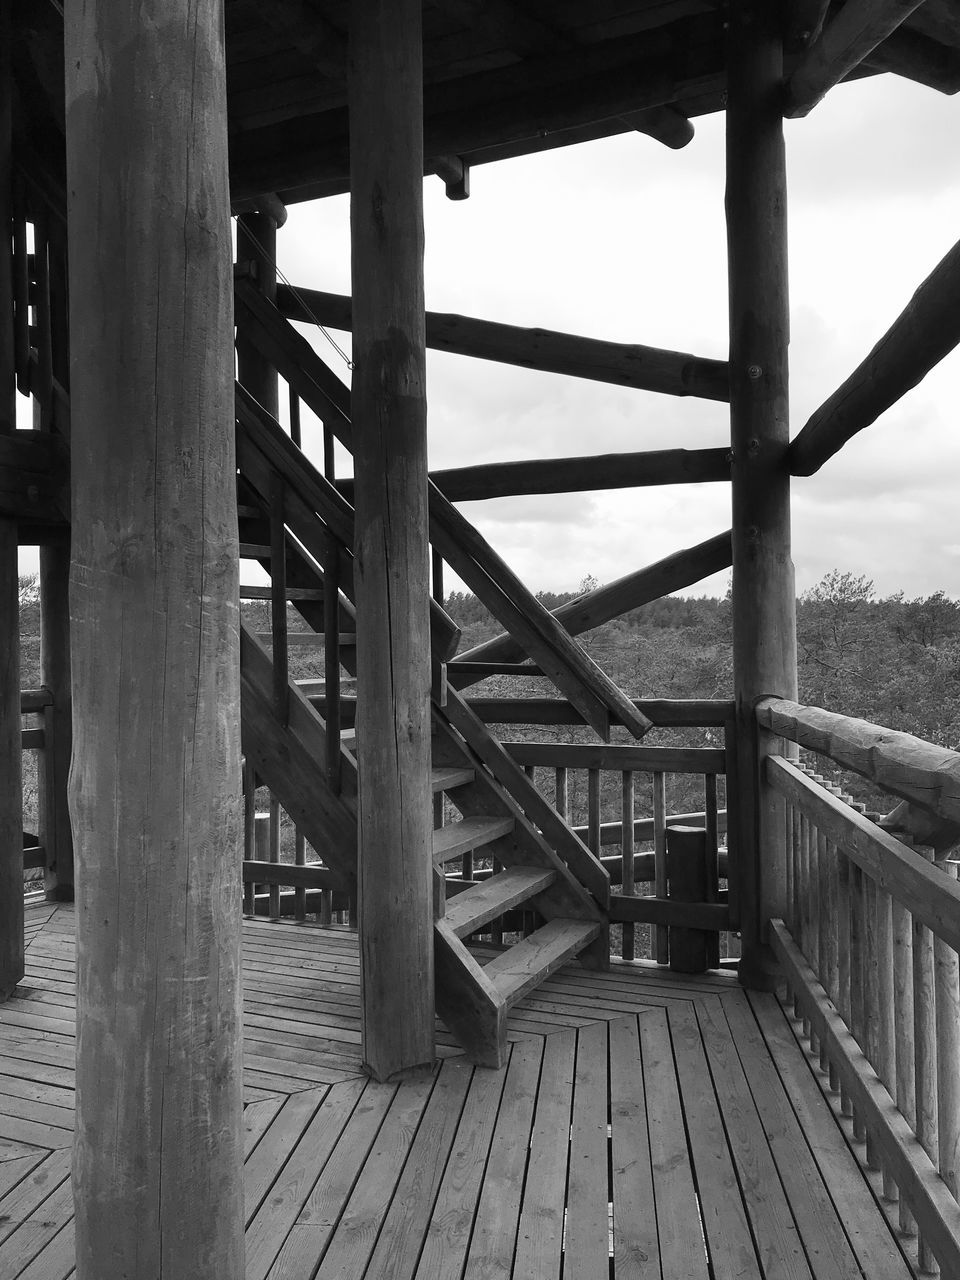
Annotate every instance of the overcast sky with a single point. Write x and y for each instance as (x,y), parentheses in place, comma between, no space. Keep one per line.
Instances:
(624,239)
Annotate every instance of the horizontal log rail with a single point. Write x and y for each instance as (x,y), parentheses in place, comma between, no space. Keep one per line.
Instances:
(870,951)
(561,755)
(927,330)
(644,368)
(577,475)
(917,771)
(603,604)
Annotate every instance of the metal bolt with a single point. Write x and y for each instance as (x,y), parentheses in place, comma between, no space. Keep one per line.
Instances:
(753,533)
(753,446)
(754,372)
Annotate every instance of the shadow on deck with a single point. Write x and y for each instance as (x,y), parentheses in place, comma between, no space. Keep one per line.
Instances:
(645,1126)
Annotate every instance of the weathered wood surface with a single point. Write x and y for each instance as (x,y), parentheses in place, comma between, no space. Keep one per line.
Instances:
(926,330)
(764,599)
(936,1211)
(712,1110)
(54,763)
(673,572)
(919,772)
(647,368)
(612,756)
(153,593)
(391,542)
(925,891)
(34,484)
(842,44)
(11,799)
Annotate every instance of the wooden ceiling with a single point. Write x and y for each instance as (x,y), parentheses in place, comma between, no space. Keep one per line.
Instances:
(502,77)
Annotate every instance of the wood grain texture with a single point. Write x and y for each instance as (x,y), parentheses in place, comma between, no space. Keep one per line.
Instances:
(764,602)
(54,763)
(153,586)
(11,802)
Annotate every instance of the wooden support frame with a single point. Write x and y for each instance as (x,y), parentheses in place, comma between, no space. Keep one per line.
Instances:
(843,43)
(926,330)
(681,569)
(155,800)
(54,766)
(764,606)
(627,365)
(385,84)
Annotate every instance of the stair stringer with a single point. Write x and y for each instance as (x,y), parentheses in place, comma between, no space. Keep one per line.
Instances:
(467,1001)
(290,760)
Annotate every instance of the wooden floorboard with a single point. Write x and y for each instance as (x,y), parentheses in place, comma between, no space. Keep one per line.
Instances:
(644,1128)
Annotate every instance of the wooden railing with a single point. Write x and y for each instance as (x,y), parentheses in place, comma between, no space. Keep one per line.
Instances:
(36,707)
(869,945)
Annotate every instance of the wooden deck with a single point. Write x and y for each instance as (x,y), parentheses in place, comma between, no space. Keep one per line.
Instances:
(645,1127)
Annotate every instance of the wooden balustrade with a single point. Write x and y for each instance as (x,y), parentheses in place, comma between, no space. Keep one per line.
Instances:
(869,950)
(36,735)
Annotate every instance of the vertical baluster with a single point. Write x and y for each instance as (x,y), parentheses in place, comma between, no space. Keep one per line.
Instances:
(804,906)
(44,388)
(813,910)
(593,811)
(436,575)
(249,818)
(711,827)
(925,1049)
(326,908)
(274,892)
(300,860)
(627,850)
(662,945)
(871,996)
(843,949)
(887,1054)
(947,965)
(261,828)
(903,1030)
(827,937)
(856,975)
(331,658)
(278,597)
(329,464)
(562,802)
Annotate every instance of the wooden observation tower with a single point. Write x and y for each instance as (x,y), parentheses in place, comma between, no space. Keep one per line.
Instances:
(634,1119)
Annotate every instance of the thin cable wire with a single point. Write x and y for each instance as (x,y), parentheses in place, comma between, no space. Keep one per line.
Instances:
(299,296)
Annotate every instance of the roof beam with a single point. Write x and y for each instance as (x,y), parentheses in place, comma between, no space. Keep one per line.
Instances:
(925,331)
(645,368)
(313,35)
(844,43)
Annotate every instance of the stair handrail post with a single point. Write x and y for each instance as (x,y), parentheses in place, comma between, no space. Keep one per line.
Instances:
(764,607)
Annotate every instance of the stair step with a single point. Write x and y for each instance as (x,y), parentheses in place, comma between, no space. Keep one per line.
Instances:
(474,907)
(524,966)
(447,779)
(471,833)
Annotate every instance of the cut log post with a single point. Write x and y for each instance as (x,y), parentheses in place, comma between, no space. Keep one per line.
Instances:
(55,834)
(856,30)
(764,621)
(11,795)
(689,882)
(155,786)
(927,330)
(391,539)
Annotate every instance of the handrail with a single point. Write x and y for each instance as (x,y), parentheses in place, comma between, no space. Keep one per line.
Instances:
(915,770)
(596,696)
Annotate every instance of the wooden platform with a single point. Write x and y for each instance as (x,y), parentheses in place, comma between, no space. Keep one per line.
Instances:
(645,1127)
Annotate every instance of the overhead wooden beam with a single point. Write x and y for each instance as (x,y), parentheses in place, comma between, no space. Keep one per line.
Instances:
(926,330)
(391,537)
(594,608)
(155,784)
(764,602)
(577,475)
(805,19)
(916,56)
(627,365)
(667,124)
(312,34)
(454,172)
(844,43)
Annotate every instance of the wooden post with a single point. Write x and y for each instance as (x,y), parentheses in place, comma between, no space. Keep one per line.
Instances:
(764,624)
(257,250)
(55,835)
(391,539)
(687,871)
(155,785)
(11,792)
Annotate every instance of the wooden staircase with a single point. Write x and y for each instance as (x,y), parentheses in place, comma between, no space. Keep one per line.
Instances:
(299,526)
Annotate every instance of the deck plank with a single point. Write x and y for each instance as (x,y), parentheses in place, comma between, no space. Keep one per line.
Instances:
(715,1113)
(636,1248)
(540,1234)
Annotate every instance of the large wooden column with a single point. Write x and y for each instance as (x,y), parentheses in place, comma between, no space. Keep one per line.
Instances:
(155,785)
(392,580)
(55,834)
(11,795)
(764,623)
